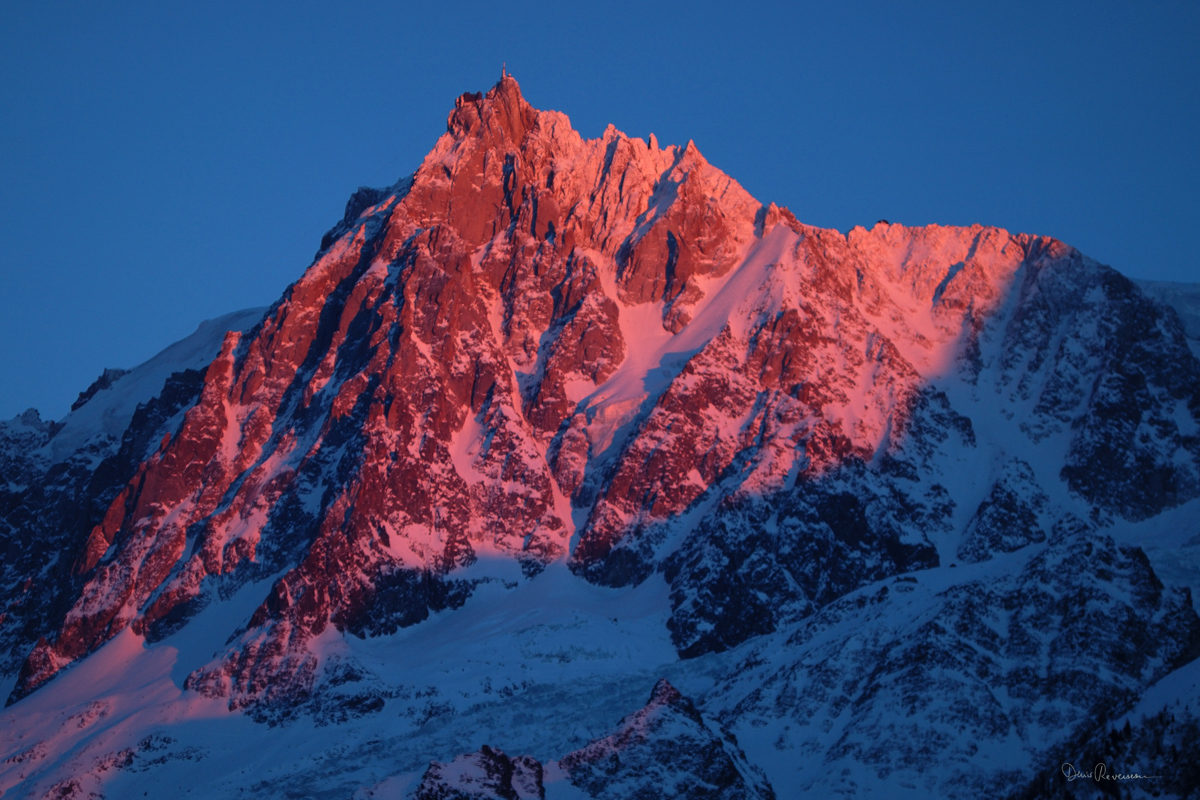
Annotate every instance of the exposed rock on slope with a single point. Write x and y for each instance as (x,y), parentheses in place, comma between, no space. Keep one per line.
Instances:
(58,480)
(1008,518)
(909,679)
(666,749)
(486,775)
(1184,299)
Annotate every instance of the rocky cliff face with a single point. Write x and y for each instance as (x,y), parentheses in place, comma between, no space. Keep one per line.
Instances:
(58,480)
(541,350)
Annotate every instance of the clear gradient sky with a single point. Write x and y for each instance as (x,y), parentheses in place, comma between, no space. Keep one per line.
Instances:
(164,163)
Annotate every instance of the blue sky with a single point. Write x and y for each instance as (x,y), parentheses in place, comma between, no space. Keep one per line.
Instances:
(165,163)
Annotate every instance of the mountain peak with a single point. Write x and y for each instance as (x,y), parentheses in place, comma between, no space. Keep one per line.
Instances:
(664,693)
(502,110)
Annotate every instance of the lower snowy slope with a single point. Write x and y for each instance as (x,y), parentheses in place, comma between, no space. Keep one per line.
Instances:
(536,666)
(943,682)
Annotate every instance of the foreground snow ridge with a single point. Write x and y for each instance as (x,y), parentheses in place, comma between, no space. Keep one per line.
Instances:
(556,425)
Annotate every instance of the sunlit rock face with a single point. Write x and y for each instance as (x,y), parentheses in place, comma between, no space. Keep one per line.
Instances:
(540,352)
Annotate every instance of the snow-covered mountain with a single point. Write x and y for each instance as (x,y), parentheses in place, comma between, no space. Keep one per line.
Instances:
(555,425)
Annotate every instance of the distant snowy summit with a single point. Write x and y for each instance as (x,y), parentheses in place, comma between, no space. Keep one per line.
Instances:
(551,420)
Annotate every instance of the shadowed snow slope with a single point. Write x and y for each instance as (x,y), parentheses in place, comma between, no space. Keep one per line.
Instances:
(903,511)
